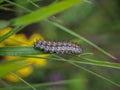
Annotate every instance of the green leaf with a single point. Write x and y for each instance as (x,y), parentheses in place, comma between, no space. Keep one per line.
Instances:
(101,63)
(45,12)
(95,62)
(7,67)
(18,51)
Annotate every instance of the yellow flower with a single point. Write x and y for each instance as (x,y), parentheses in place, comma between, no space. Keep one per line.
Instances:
(39,62)
(1,44)
(11,78)
(34,37)
(16,39)
(21,72)
(21,40)
(8,58)
(24,71)
(4,31)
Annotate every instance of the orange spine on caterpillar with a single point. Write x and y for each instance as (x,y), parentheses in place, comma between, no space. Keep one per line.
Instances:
(58,47)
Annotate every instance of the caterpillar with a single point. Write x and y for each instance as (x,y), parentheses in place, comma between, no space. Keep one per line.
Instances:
(58,47)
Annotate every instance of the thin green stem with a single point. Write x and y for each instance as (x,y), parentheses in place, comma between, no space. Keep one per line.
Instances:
(34,4)
(28,10)
(98,75)
(23,81)
(47,84)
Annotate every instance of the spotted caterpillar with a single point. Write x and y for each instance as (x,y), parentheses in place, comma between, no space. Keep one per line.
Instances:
(58,47)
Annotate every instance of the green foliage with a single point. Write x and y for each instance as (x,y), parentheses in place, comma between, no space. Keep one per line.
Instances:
(83,18)
(18,51)
(45,12)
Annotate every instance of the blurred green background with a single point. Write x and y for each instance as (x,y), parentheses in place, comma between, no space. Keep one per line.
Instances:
(96,20)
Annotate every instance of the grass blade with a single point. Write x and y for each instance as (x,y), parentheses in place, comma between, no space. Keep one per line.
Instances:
(44,12)
(45,84)
(23,81)
(18,51)
(101,63)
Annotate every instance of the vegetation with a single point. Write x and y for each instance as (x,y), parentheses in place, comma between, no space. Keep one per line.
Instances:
(94,25)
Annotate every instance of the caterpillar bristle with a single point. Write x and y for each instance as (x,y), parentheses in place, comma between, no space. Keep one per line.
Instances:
(58,47)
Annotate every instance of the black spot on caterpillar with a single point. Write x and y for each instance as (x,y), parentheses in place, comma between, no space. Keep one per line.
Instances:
(58,47)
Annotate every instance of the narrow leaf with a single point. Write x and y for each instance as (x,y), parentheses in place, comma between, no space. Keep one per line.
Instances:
(45,12)
(101,63)
(18,51)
